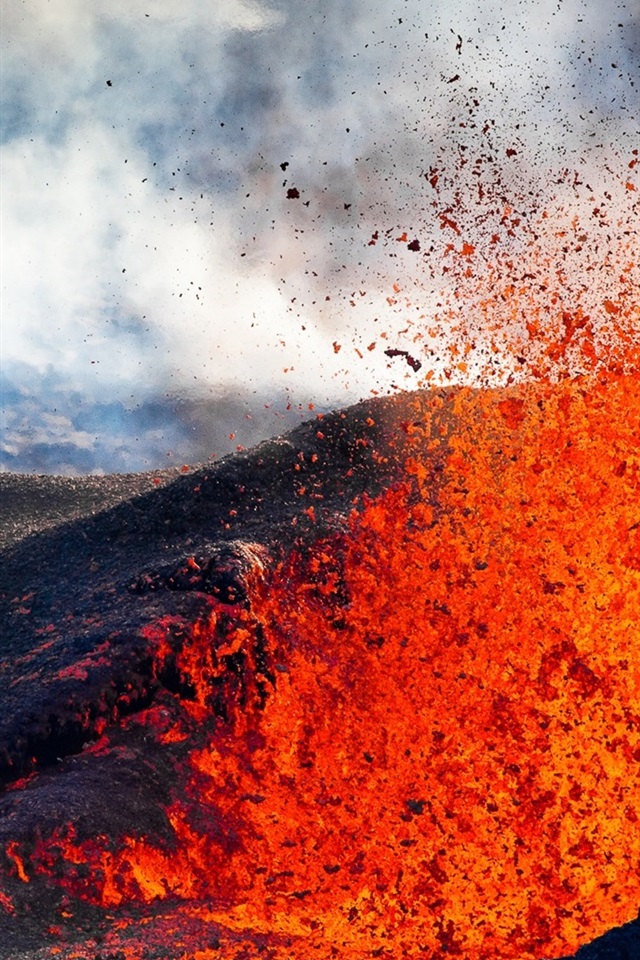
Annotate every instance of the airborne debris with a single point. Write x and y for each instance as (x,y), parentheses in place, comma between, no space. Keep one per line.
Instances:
(413,363)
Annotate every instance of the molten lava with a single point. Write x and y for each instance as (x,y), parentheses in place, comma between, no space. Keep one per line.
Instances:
(416,735)
(376,694)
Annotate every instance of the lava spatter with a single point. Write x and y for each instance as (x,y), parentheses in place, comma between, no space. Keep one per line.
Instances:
(415,732)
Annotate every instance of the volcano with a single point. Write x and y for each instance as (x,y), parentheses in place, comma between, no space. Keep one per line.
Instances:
(366,690)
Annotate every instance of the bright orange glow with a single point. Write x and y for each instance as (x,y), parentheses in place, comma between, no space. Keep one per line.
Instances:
(14,856)
(420,735)
(6,903)
(446,754)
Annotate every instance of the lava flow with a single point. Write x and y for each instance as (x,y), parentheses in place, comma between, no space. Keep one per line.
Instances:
(414,734)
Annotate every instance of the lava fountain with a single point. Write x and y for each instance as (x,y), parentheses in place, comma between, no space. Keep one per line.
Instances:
(370,690)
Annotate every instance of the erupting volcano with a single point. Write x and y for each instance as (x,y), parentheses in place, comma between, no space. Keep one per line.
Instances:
(370,690)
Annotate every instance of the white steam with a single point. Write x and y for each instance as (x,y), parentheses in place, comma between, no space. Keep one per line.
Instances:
(151,245)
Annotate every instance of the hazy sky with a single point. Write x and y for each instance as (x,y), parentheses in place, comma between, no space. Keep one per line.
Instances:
(203,204)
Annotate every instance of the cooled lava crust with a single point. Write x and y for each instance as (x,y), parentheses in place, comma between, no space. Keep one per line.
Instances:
(368,690)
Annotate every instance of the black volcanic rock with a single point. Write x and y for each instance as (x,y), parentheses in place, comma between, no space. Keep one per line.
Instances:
(623,943)
(90,581)
(31,503)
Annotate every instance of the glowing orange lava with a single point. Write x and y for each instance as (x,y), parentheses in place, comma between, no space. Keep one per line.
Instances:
(420,734)
(438,755)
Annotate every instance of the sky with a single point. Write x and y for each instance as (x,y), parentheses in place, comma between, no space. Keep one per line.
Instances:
(217,217)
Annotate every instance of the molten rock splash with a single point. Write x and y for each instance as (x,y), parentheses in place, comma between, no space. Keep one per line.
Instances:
(369,691)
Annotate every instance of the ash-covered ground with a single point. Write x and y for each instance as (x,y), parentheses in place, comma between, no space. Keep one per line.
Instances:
(89,568)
